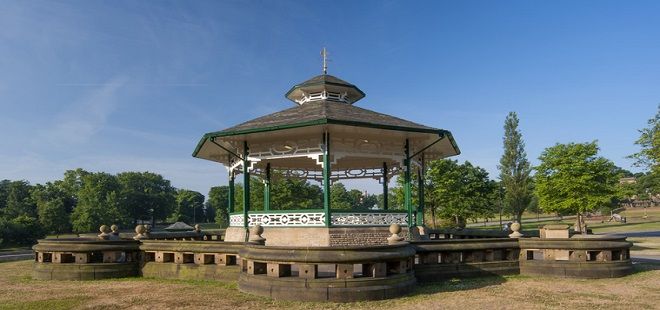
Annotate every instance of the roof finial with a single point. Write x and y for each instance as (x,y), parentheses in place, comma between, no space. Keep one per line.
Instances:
(324,54)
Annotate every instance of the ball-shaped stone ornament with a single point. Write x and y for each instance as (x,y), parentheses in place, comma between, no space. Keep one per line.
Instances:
(257,230)
(198,228)
(104,229)
(395,229)
(140,229)
(515,226)
(114,228)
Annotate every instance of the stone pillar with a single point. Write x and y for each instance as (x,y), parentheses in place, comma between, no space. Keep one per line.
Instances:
(376,270)
(344,271)
(278,270)
(308,271)
(256,267)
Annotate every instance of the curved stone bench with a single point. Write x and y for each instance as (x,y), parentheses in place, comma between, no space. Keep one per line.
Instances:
(175,259)
(85,259)
(588,256)
(438,260)
(338,274)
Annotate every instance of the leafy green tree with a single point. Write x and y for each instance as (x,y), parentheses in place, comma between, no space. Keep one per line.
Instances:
(459,191)
(189,205)
(294,194)
(19,201)
(572,178)
(145,194)
(649,142)
(515,169)
(54,207)
(340,199)
(218,200)
(73,182)
(97,203)
(21,230)
(4,192)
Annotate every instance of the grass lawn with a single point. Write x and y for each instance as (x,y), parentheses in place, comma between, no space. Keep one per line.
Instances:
(640,290)
(635,222)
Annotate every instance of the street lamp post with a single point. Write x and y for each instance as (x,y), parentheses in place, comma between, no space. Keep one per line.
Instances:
(502,189)
(151,212)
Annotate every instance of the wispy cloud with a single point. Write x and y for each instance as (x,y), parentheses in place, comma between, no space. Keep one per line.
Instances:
(80,121)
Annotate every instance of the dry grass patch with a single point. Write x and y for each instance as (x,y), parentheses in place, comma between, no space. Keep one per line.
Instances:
(640,290)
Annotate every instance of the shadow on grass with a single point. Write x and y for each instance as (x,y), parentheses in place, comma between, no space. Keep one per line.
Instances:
(457,284)
(642,265)
(637,247)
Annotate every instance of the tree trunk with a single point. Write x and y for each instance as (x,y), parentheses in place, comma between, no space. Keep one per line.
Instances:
(433,216)
(519,217)
(579,224)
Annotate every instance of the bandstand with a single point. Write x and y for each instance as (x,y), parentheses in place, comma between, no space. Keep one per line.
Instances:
(325,138)
(326,254)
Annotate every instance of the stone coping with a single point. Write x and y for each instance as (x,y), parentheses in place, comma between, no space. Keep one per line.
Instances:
(580,243)
(327,255)
(464,244)
(84,245)
(191,246)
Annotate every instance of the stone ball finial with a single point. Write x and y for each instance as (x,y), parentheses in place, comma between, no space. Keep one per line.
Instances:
(140,230)
(114,228)
(198,228)
(255,234)
(395,229)
(105,232)
(515,227)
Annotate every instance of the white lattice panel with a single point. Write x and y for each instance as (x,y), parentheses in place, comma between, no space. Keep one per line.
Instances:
(369,219)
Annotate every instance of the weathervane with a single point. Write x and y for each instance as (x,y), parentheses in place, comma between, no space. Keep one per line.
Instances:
(324,54)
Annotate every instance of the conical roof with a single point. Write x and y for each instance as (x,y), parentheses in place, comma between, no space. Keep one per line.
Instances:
(179,226)
(328,83)
(324,112)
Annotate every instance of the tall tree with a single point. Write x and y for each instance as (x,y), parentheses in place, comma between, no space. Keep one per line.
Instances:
(649,142)
(460,191)
(515,169)
(145,194)
(649,154)
(54,206)
(19,201)
(98,203)
(218,200)
(189,206)
(572,178)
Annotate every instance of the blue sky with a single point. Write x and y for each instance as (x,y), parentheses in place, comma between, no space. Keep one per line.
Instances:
(132,85)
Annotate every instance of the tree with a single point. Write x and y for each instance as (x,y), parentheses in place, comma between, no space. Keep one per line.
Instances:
(98,203)
(294,194)
(189,205)
(218,200)
(515,169)
(145,194)
(571,178)
(459,191)
(649,142)
(54,207)
(339,197)
(19,202)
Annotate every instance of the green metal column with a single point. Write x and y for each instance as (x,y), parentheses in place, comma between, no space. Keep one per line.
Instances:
(326,178)
(385,187)
(406,186)
(230,202)
(246,184)
(267,189)
(420,195)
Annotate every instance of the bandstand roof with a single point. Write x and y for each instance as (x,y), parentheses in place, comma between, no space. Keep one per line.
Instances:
(359,138)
